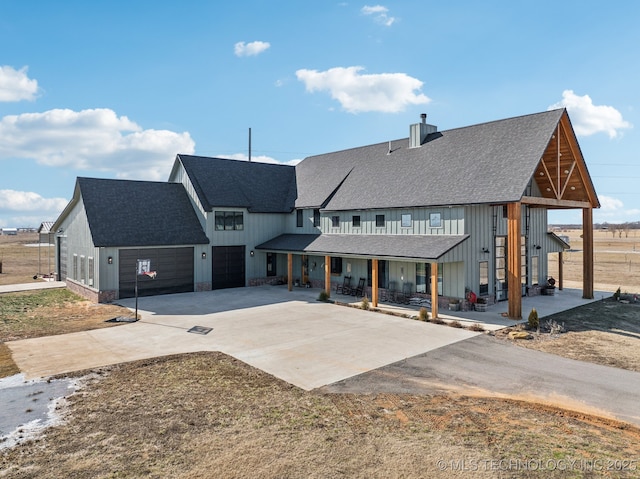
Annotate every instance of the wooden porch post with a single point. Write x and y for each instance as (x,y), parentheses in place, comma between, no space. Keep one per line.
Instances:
(327,275)
(587,253)
(290,271)
(374,282)
(434,290)
(514,262)
(560,270)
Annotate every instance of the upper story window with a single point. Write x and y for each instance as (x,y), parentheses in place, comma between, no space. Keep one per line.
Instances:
(335,222)
(299,218)
(229,220)
(316,217)
(405,221)
(355,221)
(435,220)
(379,221)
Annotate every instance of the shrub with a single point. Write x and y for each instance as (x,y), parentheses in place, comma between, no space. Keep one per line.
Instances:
(436,321)
(534,321)
(616,295)
(365,303)
(455,324)
(423,315)
(477,327)
(554,327)
(323,296)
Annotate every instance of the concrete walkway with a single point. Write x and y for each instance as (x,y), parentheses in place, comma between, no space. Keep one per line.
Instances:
(495,316)
(14,288)
(287,334)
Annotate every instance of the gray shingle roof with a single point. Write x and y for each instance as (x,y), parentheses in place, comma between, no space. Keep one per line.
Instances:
(259,187)
(486,163)
(139,213)
(425,247)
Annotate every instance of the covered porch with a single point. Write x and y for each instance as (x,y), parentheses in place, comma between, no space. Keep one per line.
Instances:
(364,255)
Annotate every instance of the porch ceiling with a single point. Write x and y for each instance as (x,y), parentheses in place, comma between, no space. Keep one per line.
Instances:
(403,247)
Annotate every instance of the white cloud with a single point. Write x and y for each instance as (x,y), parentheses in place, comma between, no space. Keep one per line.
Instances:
(608,204)
(613,211)
(25,208)
(588,119)
(356,92)
(92,139)
(15,85)
(379,14)
(259,159)
(242,49)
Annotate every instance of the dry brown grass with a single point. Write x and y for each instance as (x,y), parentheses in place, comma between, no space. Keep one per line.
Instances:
(616,261)
(20,262)
(208,415)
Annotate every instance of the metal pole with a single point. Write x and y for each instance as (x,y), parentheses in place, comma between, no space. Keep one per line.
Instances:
(136,289)
(249,144)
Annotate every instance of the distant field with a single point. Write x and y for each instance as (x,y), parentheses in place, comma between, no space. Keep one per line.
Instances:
(616,261)
(22,258)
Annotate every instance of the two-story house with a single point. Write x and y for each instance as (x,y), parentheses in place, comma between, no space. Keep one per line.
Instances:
(437,214)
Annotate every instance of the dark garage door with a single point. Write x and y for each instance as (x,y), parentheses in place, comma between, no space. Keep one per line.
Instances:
(174,268)
(228,267)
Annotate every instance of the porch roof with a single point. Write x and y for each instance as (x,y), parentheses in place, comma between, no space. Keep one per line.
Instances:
(415,247)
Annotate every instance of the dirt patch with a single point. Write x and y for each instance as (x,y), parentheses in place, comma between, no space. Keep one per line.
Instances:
(604,332)
(186,416)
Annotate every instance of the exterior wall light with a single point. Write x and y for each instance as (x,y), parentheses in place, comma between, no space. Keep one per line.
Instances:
(110,260)
(204,255)
(252,253)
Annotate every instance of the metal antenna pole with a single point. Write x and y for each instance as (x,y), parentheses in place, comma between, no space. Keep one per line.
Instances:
(249,144)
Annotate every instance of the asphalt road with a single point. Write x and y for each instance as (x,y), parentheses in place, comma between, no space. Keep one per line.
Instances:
(485,366)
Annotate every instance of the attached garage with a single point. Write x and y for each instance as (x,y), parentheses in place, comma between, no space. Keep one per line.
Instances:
(228,267)
(173,267)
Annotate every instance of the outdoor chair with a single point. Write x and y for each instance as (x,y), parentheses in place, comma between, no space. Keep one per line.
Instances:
(390,293)
(406,293)
(358,290)
(345,287)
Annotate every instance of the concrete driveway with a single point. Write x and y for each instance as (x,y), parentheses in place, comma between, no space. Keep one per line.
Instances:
(287,334)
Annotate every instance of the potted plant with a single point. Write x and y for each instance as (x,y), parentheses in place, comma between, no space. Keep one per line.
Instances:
(454,304)
(549,288)
(481,305)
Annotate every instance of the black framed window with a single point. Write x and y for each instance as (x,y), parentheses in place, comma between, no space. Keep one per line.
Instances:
(379,221)
(299,218)
(316,217)
(355,221)
(229,220)
(336,265)
(335,222)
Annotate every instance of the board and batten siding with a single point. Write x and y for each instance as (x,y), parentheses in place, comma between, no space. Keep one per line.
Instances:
(452,222)
(79,243)
(257,228)
(307,223)
(182,177)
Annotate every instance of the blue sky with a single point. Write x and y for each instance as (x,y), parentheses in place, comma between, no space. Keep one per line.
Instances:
(116,89)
